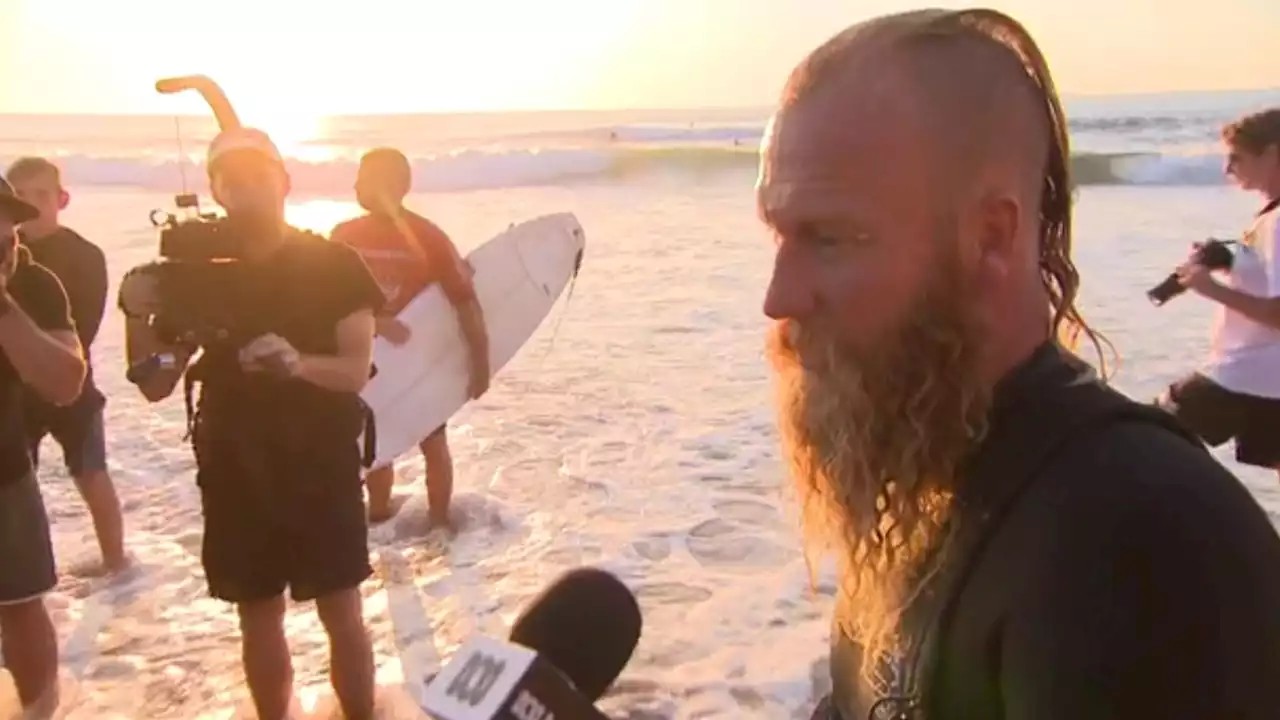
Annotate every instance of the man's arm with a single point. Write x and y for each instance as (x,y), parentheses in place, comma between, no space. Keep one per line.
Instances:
(348,370)
(40,341)
(455,278)
(94,276)
(1154,598)
(351,294)
(141,343)
(1263,310)
(471,320)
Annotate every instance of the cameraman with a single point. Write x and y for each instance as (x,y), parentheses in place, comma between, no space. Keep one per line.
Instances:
(276,428)
(1236,394)
(39,349)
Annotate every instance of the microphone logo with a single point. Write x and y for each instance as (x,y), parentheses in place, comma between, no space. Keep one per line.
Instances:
(527,707)
(479,681)
(476,679)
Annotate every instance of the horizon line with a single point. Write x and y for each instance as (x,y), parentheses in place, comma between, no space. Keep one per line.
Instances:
(1065,97)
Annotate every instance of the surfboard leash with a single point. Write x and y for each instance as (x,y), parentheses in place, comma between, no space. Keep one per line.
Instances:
(568,296)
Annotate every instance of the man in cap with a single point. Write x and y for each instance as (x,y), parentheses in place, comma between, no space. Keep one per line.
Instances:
(277,427)
(39,349)
(1015,539)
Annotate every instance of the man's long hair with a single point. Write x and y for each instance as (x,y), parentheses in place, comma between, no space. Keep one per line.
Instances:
(888,512)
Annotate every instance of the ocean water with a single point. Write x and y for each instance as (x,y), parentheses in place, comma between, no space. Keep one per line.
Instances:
(634,432)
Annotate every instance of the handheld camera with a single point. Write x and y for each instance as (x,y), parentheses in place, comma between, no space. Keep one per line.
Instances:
(1213,254)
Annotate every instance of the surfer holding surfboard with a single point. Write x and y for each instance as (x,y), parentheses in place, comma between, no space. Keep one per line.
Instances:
(406,253)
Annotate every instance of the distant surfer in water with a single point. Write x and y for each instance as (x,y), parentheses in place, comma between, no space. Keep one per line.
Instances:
(1014,539)
(407,252)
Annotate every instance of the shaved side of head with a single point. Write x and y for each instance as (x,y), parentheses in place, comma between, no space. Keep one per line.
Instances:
(993,117)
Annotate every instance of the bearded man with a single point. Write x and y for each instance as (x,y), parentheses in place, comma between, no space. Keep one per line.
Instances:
(1015,539)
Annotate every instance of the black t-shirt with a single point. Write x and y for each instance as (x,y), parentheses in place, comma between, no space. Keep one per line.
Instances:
(300,293)
(81,267)
(1136,578)
(40,295)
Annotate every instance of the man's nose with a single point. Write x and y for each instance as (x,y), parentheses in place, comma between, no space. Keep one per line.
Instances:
(790,295)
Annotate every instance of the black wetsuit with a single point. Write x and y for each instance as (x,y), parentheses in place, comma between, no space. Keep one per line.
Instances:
(1133,577)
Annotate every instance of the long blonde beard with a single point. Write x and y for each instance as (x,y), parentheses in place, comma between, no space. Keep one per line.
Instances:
(874,440)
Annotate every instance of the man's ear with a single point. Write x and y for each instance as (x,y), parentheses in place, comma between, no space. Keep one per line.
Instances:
(996,235)
(64,199)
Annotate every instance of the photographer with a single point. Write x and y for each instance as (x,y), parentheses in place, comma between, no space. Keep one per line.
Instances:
(1236,394)
(276,427)
(39,350)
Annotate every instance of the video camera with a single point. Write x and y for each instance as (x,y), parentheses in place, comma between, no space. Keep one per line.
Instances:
(203,287)
(204,290)
(1213,254)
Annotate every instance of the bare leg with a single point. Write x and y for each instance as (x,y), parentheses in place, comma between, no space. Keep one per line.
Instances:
(30,647)
(379,483)
(351,669)
(435,451)
(99,495)
(267,665)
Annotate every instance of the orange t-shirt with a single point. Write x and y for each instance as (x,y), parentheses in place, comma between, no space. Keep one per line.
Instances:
(401,271)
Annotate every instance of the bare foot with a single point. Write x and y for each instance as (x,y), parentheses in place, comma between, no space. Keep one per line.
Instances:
(444,522)
(88,568)
(381,514)
(115,566)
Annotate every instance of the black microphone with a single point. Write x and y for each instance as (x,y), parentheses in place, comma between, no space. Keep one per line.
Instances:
(565,650)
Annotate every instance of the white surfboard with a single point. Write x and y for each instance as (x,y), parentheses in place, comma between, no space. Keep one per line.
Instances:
(519,275)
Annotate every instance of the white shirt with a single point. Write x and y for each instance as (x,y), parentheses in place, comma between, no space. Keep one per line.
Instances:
(1244,355)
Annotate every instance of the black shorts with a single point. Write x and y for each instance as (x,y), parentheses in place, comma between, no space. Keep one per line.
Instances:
(80,434)
(1217,415)
(27,570)
(296,524)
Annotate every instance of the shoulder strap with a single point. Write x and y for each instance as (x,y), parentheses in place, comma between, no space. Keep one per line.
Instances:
(1061,419)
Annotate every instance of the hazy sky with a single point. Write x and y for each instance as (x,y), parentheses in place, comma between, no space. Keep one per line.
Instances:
(310,57)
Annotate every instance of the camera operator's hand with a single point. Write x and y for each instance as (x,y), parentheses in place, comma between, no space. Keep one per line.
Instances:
(270,353)
(139,294)
(396,332)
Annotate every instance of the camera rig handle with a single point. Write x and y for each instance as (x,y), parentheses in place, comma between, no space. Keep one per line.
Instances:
(223,112)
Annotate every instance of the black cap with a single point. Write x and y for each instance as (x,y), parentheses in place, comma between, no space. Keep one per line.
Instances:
(19,211)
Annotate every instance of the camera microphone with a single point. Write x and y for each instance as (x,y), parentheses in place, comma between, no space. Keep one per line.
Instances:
(564,652)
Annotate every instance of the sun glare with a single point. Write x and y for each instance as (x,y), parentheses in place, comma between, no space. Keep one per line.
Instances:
(319,216)
(291,131)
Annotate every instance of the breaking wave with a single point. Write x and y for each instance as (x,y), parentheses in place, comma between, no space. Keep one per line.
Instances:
(599,154)
(481,170)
